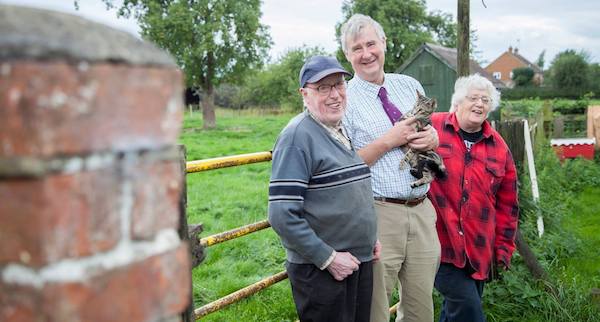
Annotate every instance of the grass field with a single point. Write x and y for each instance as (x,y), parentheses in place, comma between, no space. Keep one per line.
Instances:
(231,197)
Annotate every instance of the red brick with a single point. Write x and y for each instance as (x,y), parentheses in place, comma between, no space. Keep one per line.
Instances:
(19,303)
(157,190)
(148,290)
(44,220)
(143,291)
(54,108)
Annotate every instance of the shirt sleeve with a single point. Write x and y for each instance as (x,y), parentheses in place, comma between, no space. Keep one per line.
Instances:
(287,188)
(507,214)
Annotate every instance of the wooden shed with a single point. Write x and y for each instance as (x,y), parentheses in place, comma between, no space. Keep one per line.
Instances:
(435,67)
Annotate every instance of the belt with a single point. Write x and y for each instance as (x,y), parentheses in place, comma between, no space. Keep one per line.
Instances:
(409,202)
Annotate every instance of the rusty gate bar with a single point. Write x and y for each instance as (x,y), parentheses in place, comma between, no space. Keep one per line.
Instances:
(238,295)
(228,161)
(234,233)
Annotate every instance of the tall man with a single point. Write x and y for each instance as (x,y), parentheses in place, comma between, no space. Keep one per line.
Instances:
(406,218)
(320,203)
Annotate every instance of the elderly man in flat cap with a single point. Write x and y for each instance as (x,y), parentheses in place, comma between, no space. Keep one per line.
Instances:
(321,204)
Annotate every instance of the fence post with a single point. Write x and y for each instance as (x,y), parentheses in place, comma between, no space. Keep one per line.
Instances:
(512,133)
(558,127)
(188,314)
(89,173)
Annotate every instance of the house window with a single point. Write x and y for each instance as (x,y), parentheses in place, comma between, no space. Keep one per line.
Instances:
(497,75)
(426,74)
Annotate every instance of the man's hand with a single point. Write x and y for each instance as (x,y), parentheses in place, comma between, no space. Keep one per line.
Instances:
(377,251)
(424,140)
(393,138)
(399,134)
(343,265)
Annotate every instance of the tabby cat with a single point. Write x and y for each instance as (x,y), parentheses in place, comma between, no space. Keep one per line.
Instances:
(424,165)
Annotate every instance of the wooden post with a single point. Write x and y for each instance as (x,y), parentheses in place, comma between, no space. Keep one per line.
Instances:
(463,38)
(188,314)
(558,127)
(512,133)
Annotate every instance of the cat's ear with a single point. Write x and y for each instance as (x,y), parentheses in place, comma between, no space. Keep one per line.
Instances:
(418,93)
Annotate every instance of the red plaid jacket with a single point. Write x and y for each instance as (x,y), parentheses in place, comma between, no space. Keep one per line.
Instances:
(477,206)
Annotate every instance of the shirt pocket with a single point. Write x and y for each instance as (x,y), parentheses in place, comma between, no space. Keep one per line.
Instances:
(445,151)
(495,175)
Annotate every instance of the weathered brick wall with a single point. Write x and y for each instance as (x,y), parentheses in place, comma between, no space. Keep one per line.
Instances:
(89,175)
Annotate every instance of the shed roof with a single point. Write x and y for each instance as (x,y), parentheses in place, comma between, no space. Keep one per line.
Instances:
(448,57)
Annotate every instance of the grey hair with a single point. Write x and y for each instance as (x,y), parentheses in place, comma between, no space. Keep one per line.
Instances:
(466,83)
(354,25)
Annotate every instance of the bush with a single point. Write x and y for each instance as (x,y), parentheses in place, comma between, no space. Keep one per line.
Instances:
(530,92)
(523,76)
(569,106)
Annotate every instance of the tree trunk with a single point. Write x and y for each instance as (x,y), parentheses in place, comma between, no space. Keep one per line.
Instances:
(463,38)
(208,109)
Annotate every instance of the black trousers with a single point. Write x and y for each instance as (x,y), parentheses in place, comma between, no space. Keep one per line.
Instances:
(462,294)
(320,298)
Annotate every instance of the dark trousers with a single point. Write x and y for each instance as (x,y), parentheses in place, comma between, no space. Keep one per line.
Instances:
(320,298)
(462,294)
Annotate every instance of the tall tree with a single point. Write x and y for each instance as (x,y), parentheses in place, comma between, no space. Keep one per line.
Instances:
(569,69)
(541,61)
(407,25)
(213,41)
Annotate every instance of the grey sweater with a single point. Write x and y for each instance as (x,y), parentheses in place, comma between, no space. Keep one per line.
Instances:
(320,196)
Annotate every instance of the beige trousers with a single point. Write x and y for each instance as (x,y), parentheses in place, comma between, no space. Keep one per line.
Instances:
(410,255)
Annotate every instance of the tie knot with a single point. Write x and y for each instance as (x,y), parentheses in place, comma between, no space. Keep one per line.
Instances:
(382,93)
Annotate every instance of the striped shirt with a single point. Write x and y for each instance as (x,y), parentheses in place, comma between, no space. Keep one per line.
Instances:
(365,120)
(319,196)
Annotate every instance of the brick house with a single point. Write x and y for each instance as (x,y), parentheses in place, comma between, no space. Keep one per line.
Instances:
(501,68)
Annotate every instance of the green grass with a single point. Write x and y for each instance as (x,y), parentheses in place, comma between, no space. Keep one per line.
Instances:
(584,224)
(232,197)
(229,198)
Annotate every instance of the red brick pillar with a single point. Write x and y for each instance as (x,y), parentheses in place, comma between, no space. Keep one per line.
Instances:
(89,173)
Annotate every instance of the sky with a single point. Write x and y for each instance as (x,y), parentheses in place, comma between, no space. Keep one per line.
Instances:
(530,25)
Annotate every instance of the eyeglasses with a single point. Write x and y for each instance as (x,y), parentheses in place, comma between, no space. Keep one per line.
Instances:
(484,99)
(325,89)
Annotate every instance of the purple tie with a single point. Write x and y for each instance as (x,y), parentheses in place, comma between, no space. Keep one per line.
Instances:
(390,109)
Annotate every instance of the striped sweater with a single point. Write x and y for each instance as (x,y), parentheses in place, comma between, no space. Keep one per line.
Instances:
(320,196)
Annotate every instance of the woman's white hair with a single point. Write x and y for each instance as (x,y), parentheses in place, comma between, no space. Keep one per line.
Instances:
(467,83)
(354,25)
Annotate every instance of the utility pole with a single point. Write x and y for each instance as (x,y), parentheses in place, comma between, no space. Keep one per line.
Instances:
(463,38)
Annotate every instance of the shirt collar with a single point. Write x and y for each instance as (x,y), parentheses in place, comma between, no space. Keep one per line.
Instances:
(367,88)
(333,127)
(451,120)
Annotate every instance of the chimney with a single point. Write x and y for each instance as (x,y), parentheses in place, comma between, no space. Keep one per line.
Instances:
(510,49)
(90,176)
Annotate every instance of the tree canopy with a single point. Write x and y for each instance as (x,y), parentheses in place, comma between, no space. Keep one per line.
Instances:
(523,76)
(213,41)
(407,26)
(569,69)
(277,85)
